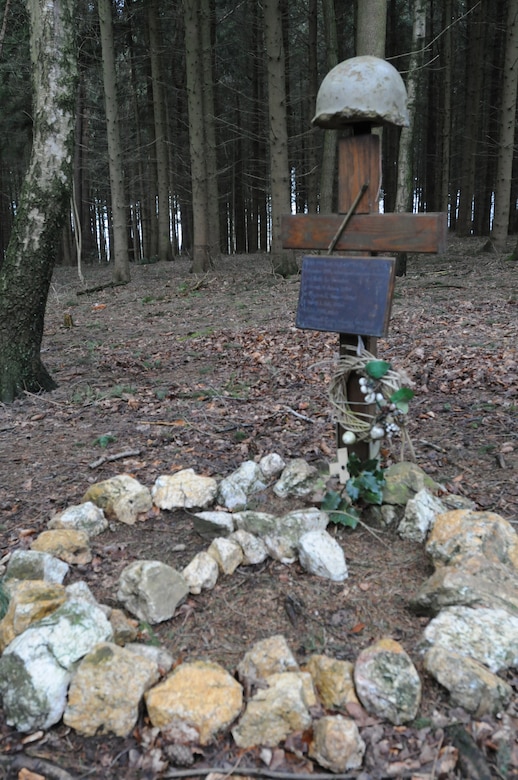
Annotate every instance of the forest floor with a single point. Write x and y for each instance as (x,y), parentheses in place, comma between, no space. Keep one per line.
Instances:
(182,371)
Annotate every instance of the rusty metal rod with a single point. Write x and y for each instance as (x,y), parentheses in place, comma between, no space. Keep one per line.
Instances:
(348,216)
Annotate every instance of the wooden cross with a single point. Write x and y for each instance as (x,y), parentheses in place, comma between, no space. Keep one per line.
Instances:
(353,295)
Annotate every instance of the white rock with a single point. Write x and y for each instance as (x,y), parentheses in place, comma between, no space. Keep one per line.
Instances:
(213,523)
(419,517)
(320,554)
(151,590)
(297,479)
(254,549)
(35,565)
(227,553)
(36,667)
(234,490)
(184,490)
(271,465)
(490,636)
(201,573)
(86,517)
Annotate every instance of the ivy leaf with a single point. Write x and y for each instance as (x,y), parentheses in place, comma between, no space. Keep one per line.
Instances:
(372,488)
(403,394)
(331,500)
(353,489)
(348,517)
(377,369)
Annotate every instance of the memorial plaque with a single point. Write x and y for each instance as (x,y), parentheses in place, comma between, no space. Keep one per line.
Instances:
(346,294)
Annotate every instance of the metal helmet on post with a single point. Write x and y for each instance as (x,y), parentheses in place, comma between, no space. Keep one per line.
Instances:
(362,90)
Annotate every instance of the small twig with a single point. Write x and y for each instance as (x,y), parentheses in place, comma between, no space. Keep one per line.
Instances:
(42,397)
(115,456)
(300,416)
(259,772)
(437,754)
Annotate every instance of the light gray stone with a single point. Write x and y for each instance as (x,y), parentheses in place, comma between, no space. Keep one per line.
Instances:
(254,549)
(470,684)
(478,582)
(151,590)
(320,554)
(337,744)
(34,565)
(387,682)
(162,659)
(257,523)
(184,490)
(201,573)
(489,636)
(84,517)
(227,553)
(403,480)
(283,540)
(211,524)
(297,479)
(37,666)
(419,517)
(122,498)
(271,465)
(235,489)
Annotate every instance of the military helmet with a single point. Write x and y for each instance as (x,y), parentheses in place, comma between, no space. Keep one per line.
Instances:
(362,90)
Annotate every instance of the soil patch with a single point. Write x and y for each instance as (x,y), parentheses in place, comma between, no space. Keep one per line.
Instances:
(179,371)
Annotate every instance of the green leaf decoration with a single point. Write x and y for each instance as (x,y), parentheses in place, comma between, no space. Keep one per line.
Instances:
(403,394)
(348,517)
(353,489)
(377,369)
(402,406)
(331,500)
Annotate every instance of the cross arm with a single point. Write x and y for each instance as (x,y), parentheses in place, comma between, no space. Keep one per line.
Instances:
(367,232)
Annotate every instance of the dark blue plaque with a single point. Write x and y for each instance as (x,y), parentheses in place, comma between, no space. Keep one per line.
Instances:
(346,294)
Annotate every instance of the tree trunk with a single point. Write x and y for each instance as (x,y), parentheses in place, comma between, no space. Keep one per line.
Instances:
(121,270)
(405,169)
(210,131)
(328,170)
(165,251)
(278,127)
(193,65)
(371,27)
(507,129)
(27,270)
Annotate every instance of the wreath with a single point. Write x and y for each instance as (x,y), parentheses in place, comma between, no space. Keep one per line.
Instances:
(386,394)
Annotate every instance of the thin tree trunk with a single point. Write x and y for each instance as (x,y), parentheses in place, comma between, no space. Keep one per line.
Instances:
(194,62)
(507,131)
(121,269)
(328,170)
(210,131)
(278,129)
(27,269)
(405,170)
(165,251)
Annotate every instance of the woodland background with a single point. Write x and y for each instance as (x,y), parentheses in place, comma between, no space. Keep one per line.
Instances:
(185,87)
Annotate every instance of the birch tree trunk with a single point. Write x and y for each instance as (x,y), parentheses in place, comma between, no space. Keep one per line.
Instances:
(507,132)
(27,269)
(121,269)
(278,127)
